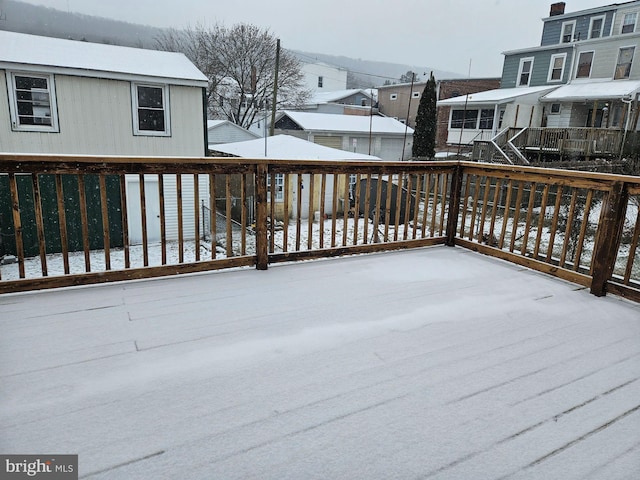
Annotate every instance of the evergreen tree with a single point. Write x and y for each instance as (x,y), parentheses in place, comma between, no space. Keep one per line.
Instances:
(424,136)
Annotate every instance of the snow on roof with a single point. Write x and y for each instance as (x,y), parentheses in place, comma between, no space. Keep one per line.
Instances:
(499,95)
(286,147)
(347,123)
(328,97)
(95,59)
(594,90)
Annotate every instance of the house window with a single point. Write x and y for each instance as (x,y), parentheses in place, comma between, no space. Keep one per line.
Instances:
(150,110)
(629,22)
(557,67)
(320,82)
(584,65)
(486,118)
(567,31)
(464,119)
(393,96)
(555,108)
(415,95)
(623,67)
(32,102)
(279,187)
(595,27)
(524,72)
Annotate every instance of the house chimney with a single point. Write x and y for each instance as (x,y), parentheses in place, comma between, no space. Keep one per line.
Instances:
(557,9)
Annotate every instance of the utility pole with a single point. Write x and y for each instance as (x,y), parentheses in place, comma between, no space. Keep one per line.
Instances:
(275,90)
(406,123)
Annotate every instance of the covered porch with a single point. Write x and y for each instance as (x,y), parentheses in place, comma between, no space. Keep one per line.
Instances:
(435,363)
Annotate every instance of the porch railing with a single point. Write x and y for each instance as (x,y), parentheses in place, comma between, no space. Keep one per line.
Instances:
(69,220)
(587,142)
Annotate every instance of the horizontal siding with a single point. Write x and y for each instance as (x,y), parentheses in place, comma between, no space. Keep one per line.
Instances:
(619,18)
(552,29)
(606,56)
(95,117)
(541,64)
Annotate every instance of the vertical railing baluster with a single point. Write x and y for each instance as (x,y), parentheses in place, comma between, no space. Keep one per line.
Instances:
(213,220)
(37,203)
(310,212)
(124,215)
(62,220)
(228,213)
(84,220)
(163,220)
(196,215)
(105,222)
(143,216)
(180,218)
(17,223)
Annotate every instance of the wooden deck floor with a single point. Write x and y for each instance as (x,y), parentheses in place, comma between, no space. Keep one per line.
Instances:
(436,363)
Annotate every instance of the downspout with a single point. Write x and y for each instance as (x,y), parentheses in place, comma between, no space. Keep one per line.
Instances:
(496,114)
(626,126)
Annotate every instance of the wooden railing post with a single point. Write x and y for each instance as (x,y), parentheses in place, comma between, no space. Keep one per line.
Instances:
(262,242)
(454,205)
(608,237)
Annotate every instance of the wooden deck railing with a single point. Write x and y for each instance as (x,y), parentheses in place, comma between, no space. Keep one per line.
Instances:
(587,142)
(71,220)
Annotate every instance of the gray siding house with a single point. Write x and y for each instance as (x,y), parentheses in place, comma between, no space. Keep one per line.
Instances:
(61,96)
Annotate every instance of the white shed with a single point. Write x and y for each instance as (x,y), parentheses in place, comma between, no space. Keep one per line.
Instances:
(62,96)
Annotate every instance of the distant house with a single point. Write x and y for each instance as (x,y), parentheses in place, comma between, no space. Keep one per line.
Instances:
(582,76)
(343,102)
(383,137)
(286,147)
(70,97)
(401,101)
(224,131)
(321,77)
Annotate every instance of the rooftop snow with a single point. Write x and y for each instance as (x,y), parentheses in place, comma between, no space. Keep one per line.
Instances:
(329,97)
(591,90)
(431,363)
(286,147)
(95,59)
(326,122)
(498,95)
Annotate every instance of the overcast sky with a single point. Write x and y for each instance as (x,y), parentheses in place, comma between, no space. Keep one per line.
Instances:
(447,35)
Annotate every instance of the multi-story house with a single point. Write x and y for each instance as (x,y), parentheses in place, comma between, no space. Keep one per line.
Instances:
(583,74)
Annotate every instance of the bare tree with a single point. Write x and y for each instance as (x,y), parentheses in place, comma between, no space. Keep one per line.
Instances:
(239,62)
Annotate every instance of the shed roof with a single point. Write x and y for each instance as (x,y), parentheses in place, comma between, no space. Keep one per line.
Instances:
(29,52)
(286,147)
(326,122)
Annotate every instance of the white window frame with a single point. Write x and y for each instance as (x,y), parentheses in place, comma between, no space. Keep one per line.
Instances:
(415,95)
(279,187)
(165,107)
(552,63)
(573,31)
(393,96)
(555,109)
(520,72)
(593,56)
(593,19)
(635,23)
(13,102)
(633,47)
(320,81)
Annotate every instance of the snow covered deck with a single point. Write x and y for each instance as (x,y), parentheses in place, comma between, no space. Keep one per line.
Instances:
(435,363)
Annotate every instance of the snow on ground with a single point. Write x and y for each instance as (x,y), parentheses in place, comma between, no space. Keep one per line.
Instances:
(434,363)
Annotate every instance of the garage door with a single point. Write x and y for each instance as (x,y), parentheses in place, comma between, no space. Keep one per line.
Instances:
(328,141)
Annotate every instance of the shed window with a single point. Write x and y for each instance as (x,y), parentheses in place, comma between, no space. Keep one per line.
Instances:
(278,188)
(625,59)
(555,108)
(415,95)
(393,96)
(320,82)
(151,110)
(32,102)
